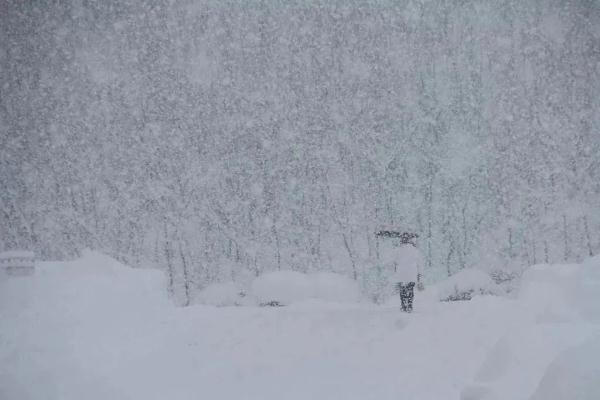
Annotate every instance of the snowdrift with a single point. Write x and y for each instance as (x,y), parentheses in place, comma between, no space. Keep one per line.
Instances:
(573,374)
(551,340)
(93,282)
(587,290)
(69,324)
(96,329)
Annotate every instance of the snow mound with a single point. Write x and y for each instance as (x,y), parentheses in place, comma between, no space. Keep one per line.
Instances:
(93,284)
(549,292)
(106,277)
(516,363)
(220,295)
(287,287)
(587,290)
(573,374)
(73,321)
(554,313)
(464,285)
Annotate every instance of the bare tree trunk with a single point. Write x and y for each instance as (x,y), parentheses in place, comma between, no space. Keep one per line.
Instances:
(510,244)
(256,270)
(186,280)
(565,238)
(429,225)
(587,236)
(168,258)
(351,255)
(319,247)
(347,244)
(527,252)
(465,238)
(278,246)
(448,259)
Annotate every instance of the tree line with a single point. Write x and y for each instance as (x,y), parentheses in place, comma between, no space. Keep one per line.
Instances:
(218,140)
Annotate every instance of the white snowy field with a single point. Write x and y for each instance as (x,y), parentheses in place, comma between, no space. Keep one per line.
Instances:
(95,329)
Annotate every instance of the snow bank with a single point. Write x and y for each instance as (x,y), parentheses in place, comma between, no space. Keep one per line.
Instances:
(94,285)
(96,329)
(73,322)
(464,285)
(573,374)
(517,361)
(287,287)
(551,340)
(103,279)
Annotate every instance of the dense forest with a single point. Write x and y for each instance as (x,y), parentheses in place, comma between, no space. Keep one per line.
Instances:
(220,139)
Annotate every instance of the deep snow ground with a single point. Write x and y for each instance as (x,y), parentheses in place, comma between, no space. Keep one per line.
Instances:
(94,329)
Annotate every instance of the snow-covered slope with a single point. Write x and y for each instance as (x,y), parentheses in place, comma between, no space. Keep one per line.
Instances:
(573,374)
(96,329)
(551,315)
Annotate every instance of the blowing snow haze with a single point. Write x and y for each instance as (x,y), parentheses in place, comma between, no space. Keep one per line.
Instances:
(220,140)
(281,200)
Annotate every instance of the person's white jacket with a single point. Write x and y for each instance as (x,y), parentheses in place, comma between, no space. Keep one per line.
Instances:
(408,264)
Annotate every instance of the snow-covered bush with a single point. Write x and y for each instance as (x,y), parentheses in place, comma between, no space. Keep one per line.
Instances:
(507,279)
(220,295)
(464,285)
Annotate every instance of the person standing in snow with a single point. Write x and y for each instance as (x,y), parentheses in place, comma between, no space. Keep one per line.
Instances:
(407,274)
(406,260)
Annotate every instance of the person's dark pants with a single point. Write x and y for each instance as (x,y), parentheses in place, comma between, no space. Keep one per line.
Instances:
(407,294)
